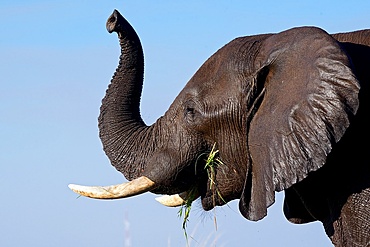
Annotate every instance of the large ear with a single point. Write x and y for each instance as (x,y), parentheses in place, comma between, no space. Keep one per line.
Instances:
(309,94)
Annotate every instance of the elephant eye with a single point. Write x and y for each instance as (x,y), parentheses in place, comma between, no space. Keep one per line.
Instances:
(190,111)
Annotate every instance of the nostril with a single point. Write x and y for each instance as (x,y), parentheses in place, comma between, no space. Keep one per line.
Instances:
(112,19)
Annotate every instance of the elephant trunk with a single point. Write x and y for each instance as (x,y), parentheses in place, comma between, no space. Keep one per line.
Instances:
(120,122)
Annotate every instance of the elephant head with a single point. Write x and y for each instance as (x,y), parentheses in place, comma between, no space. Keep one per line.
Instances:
(274,106)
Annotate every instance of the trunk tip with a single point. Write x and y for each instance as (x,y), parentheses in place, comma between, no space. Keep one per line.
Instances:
(113,21)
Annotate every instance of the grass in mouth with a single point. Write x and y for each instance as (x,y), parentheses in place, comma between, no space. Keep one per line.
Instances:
(212,162)
(184,211)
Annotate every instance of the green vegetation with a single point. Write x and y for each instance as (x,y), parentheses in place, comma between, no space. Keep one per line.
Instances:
(212,162)
(184,211)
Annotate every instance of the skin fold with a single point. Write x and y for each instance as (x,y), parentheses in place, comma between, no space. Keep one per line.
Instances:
(285,111)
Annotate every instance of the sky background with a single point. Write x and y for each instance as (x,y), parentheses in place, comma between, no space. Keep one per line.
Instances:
(56,60)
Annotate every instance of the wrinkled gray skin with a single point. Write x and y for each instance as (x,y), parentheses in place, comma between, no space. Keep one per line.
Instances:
(286,111)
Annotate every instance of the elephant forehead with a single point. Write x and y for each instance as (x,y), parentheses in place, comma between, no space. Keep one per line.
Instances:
(224,73)
(215,87)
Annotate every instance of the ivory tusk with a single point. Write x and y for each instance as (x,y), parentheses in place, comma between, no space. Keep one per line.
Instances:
(173,200)
(135,187)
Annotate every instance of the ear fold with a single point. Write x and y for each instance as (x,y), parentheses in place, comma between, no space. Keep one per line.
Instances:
(309,96)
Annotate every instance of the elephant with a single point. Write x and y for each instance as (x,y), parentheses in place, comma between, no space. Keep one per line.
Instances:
(285,111)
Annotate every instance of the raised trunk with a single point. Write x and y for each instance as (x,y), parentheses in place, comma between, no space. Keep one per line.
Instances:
(120,123)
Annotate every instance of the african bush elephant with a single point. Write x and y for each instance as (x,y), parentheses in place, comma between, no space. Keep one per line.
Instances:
(285,111)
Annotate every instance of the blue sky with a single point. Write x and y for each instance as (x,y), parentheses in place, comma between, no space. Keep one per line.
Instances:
(56,60)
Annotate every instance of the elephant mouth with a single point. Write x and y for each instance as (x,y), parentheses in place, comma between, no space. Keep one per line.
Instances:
(206,188)
(209,198)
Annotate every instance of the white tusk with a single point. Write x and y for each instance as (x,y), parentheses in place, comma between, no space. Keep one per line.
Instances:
(173,200)
(135,187)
